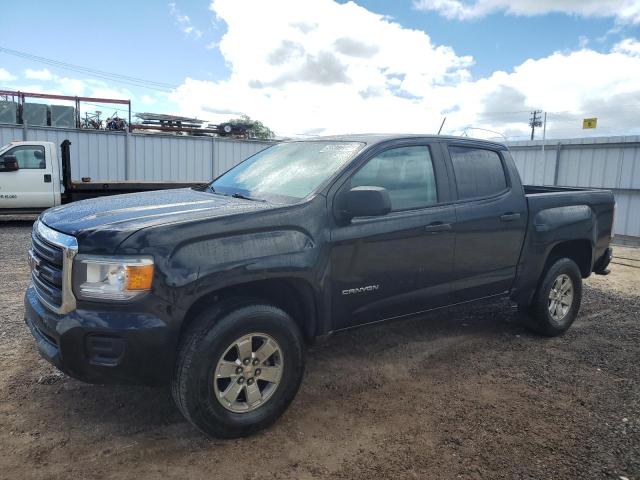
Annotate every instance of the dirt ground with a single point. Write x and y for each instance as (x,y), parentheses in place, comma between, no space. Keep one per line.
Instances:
(466,393)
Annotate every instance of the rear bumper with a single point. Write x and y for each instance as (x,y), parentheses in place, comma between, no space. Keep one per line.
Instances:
(105,345)
(600,267)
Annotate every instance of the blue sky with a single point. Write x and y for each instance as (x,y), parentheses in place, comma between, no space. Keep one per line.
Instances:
(97,35)
(498,41)
(155,40)
(141,39)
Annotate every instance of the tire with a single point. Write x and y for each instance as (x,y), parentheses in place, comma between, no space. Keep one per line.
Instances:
(208,350)
(543,315)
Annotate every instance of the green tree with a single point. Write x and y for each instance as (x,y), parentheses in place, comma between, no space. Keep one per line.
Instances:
(255,128)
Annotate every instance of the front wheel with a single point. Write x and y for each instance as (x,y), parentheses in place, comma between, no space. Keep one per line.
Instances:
(557,300)
(238,368)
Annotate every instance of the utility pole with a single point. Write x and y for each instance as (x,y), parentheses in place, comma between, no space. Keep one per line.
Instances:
(544,133)
(535,121)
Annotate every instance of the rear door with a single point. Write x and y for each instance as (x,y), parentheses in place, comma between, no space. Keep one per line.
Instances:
(31,186)
(399,263)
(490,221)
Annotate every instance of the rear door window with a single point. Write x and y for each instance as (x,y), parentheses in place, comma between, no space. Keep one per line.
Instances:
(479,172)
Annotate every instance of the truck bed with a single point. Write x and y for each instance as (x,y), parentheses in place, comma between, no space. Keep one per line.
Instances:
(74,190)
(562,214)
(83,190)
(537,189)
(129,185)
(570,212)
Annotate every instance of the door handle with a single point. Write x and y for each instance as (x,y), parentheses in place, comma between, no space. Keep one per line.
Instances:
(437,227)
(509,217)
(47,178)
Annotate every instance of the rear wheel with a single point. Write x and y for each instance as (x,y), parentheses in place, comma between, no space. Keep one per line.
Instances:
(556,302)
(238,368)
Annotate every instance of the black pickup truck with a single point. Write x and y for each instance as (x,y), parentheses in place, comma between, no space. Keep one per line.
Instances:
(217,289)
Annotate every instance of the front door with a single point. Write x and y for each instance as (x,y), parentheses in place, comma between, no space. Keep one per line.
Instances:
(399,263)
(31,186)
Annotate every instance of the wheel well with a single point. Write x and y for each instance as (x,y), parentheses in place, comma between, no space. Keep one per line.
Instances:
(294,296)
(580,251)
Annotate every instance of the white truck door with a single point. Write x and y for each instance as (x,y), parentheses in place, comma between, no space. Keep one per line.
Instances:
(31,185)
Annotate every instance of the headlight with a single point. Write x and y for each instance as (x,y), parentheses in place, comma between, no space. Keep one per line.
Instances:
(112,278)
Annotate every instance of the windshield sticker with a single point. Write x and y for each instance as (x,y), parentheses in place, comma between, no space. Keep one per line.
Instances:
(340,150)
(343,147)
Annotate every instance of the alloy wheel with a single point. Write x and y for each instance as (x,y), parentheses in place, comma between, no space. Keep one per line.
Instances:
(248,373)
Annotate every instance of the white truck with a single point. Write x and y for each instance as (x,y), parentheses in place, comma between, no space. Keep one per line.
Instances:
(33,177)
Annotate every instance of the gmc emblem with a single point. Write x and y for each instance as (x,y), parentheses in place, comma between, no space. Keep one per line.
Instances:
(34,263)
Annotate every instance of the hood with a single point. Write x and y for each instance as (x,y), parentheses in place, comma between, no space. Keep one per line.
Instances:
(121,215)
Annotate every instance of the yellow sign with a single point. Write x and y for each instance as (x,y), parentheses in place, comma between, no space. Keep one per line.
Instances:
(589,123)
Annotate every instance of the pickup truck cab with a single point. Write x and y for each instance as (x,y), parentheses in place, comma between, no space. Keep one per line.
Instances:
(216,289)
(28,180)
(33,177)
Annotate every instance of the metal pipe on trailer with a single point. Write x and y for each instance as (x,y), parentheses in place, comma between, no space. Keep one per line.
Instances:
(22,95)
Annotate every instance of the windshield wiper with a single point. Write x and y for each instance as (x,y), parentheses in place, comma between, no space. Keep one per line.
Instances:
(234,195)
(244,197)
(213,190)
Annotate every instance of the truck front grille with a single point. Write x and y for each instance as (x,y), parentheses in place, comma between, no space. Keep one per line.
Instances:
(51,260)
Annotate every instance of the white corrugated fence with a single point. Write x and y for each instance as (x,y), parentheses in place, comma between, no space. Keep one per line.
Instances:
(105,155)
(602,162)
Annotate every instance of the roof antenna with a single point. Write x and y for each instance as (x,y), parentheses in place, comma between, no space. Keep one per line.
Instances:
(442,124)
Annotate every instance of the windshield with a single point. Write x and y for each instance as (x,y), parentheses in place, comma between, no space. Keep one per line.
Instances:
(5,147)
(287,171)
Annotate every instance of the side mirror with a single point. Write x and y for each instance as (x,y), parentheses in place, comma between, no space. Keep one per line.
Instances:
(10,164)
(367,202)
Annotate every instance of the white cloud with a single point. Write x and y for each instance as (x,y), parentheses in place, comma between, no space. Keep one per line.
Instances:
(312,68)
(623,10)
(43,74)
(71,86)
(147,100)
(5,76)
(75,87)
(628,46)
(338,68)
(64,85)
(183,21)
(570,86)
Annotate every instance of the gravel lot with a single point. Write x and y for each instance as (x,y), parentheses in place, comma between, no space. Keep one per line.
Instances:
(458,394)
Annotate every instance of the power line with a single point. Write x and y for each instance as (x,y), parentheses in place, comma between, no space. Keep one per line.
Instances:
(114,77)
(566,113)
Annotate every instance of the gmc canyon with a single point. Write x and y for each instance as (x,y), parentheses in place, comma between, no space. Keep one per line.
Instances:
(216,289)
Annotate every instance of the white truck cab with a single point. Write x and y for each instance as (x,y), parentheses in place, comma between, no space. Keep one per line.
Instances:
(37,175)
(30,177)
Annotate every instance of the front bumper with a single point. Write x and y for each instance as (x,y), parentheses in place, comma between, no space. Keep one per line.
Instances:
(108,344)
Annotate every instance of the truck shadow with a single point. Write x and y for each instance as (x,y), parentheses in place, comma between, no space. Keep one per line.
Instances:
(126,410)
(496,319)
